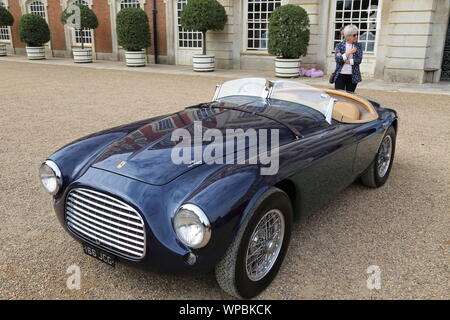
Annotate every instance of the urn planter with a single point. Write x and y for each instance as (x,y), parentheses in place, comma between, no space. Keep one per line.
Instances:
(82,55)
(36,53)
(287,68)
(2,50)
(203,62)
(135,58)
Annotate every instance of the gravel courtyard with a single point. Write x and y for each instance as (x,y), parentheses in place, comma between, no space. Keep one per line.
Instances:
(402,227)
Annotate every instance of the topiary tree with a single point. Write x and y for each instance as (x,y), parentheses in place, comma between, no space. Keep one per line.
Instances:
(289,32)
(133,29)
(203,15)
(33,30)
(6,18)
(88,19)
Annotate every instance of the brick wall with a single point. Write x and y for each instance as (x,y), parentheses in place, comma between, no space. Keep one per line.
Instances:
(103,32)
(102,35)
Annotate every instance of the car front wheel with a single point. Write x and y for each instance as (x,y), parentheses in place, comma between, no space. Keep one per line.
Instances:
(255,256)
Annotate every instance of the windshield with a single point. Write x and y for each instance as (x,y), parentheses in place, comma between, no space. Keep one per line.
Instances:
(255,87)
(281,90)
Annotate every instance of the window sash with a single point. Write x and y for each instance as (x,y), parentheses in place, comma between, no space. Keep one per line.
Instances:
(365,18)
(37,8)
(187,38)
(256,15)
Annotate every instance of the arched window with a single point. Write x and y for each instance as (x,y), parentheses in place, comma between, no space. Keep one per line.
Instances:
(129,4)
(87,33)
(4,31)
(37,8)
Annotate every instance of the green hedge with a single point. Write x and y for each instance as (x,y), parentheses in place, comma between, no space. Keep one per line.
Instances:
(289,32)
(203,15)
(6,18)
(33,30)
(133,30)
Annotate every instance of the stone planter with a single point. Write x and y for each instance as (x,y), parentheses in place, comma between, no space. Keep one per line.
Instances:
(82,55)
(203,63)
(36,53)
(287,68)
(2,50)
(135,58)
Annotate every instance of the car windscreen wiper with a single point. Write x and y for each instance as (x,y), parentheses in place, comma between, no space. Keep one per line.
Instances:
(294,131)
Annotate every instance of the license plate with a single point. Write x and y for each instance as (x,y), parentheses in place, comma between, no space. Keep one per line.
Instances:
(99,255)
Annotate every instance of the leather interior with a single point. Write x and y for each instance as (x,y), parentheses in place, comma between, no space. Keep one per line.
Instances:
(346,111)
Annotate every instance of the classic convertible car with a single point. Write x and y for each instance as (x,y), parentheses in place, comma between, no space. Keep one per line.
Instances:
(121,195)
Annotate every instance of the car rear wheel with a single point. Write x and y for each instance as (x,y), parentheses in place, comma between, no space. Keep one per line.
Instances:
(253,259)
(378,172)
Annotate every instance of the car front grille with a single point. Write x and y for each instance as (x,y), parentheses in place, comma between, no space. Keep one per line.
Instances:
(106,221)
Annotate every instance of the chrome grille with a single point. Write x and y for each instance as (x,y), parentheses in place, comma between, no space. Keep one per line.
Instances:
(106,221)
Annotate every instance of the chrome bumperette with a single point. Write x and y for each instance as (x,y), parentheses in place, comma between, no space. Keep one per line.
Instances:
(106,221)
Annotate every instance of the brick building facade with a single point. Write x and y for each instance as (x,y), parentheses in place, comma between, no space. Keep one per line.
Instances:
(103,40)
(403,40)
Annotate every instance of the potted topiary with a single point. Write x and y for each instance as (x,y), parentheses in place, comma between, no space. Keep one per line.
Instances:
(88,20)
(133,34)
(288,39)
(34,31)
(203,15)
(6,20)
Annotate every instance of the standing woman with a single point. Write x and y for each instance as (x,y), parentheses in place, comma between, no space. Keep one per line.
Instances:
(348,56)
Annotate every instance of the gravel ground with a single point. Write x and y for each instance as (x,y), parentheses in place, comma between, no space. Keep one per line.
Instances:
(402,227)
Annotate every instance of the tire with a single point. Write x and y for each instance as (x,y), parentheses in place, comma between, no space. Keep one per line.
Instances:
(374,177)
(231,272)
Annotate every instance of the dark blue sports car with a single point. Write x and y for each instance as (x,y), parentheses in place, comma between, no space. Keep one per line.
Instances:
(217,185)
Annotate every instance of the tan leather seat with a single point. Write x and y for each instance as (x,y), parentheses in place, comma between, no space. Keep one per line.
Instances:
(346,111)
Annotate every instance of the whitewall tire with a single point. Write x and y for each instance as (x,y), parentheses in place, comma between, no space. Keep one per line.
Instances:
(203,62)
(135,58)
(287,68)
(36,53)
(82,55)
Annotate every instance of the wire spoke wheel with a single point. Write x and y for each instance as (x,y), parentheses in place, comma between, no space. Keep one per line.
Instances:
(384,156)
(265,245)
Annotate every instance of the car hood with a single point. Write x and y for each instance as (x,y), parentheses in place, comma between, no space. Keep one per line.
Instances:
(146,153)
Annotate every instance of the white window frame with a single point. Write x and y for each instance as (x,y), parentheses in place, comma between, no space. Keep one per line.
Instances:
(44,5)
(245,30)
(332,23)
(74,32)
(119,4)
(114,8)
(3,41)
(199,35)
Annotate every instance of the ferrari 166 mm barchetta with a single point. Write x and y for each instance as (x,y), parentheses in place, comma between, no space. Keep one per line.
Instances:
(136,194)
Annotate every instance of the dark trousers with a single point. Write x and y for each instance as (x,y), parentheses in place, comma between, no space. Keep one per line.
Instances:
(344,82)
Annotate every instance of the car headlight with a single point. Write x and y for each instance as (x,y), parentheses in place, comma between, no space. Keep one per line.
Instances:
(50,176)
(192,226)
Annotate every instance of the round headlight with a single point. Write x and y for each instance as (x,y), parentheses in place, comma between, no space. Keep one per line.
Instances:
(50,176)
(192,226)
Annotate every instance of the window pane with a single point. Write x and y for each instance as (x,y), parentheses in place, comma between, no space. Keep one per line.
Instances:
(258,14)
(361,13)
(187,38)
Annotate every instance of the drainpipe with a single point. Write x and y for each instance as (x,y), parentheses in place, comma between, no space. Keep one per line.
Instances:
(155,32)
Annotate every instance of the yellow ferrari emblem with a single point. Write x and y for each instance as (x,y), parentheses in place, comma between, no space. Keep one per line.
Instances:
(120,165)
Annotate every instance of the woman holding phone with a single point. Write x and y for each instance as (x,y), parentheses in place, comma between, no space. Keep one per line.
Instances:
(348,57)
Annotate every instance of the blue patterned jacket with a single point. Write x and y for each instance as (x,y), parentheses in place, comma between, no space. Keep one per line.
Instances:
(357,59)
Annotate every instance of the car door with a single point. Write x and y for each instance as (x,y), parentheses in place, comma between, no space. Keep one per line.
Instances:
(324,166)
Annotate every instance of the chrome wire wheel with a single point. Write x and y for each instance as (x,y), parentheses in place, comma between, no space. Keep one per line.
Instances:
(265,245)
(384,156)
